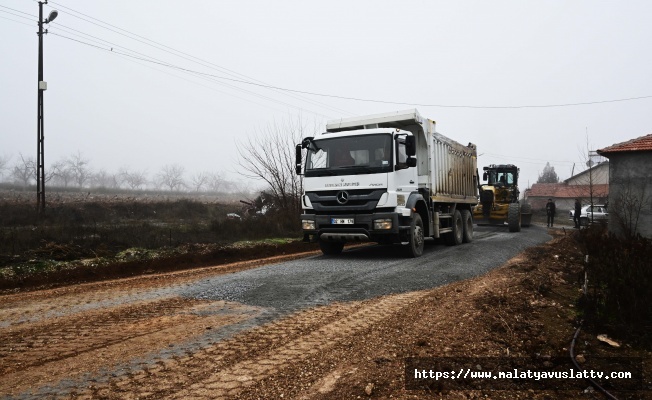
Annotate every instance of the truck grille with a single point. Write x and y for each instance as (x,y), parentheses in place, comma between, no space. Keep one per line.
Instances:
(341,200)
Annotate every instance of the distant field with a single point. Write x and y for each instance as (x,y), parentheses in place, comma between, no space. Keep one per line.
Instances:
(99,224)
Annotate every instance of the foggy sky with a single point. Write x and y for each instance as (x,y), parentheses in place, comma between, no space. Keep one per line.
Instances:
(124,112)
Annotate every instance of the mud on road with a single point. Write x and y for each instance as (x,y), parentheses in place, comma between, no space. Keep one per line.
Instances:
(136,338)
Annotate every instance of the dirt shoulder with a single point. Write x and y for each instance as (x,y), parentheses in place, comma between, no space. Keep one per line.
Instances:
(188,257)
(53,344)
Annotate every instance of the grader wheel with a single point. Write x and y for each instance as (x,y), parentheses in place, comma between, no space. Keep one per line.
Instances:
(514,217)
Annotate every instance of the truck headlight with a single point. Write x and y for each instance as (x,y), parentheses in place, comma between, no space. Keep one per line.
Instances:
(383,224)
(308,224)
(400,200)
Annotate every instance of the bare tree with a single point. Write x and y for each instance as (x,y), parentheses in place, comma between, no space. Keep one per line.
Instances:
(590,185)
(200,180)
(629,200)
(104,179)
(171,176)
(61,172)
(24,170)
(4,165)
(79,167)
(270,156)
(50,174)
(215,182)
(133,179)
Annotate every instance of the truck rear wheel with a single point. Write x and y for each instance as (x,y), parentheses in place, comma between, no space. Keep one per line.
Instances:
(331,248)
(415,245)
(467,222)
(457,235)
(514,217)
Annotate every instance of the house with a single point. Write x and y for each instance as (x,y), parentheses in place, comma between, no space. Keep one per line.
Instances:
(598,175)
(630,182)
(589,185)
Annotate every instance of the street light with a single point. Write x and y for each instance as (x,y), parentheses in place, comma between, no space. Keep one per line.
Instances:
(40,124)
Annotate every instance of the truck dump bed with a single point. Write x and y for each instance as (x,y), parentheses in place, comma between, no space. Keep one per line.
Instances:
(454,170)
(446,168)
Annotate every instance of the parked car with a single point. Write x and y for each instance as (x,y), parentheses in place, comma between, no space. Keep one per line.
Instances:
(595,213)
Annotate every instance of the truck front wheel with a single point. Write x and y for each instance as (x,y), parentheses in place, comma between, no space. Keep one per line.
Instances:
(331,248)
(415,246)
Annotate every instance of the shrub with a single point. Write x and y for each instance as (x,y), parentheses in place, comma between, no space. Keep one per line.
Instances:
(86,227)
(620,278)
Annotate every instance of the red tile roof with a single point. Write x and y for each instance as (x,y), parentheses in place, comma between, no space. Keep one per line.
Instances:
(561,190)
(643,143)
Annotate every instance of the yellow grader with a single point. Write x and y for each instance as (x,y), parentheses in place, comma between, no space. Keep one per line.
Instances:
(499,203)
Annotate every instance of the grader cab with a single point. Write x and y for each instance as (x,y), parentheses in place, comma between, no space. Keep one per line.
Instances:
(499,199)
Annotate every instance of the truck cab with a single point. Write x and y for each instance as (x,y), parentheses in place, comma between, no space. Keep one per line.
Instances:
(371,179)
(359,187)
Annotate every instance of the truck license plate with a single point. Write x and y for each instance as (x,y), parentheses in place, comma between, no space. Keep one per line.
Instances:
(343,221)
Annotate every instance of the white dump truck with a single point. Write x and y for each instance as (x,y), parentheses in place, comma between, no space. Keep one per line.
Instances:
(386,178)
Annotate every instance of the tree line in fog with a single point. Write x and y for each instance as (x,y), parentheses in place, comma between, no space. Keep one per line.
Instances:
(76,171)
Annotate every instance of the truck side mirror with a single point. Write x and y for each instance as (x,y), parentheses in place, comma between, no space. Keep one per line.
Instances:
(484,176)
(298,159)
(411,162)
(410,146)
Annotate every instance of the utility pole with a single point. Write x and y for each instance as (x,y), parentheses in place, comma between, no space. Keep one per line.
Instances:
(40,123)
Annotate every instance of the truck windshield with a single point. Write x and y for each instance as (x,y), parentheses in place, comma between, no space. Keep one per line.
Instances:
(350,155)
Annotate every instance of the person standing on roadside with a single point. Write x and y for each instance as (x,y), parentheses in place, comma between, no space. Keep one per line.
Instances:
(550,212)
(578,212)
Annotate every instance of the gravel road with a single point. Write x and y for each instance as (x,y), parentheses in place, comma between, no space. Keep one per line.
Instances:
(151,337)
(365,272)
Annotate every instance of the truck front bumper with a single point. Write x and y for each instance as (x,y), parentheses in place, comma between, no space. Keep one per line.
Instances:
(364,227)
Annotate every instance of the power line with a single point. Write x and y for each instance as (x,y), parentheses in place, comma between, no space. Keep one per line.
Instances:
(510,160)
(13,20)
(161,63)
(254,82)
(31,17)
(22,12)
(205,86)
(530,159)
(132,58)
(150,59)
(186,56)
(99,40)
(435,105)
(368,100)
